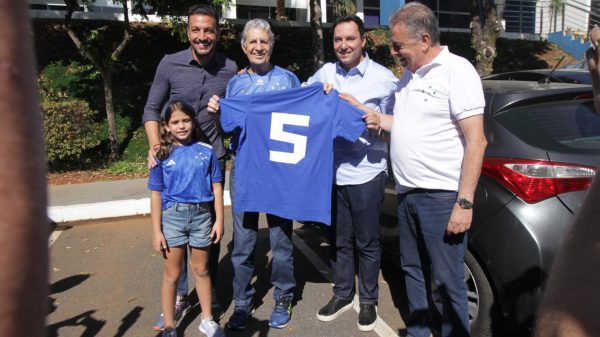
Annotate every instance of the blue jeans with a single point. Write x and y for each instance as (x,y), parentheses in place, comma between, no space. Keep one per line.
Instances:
(213,263)
(356,224)
(427,252)
(245,231)
(190,224)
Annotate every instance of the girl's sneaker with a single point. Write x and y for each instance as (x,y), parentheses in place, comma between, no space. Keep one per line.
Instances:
(182,307)
(210,328)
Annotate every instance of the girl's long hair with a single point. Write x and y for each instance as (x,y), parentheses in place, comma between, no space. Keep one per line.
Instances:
(166,138)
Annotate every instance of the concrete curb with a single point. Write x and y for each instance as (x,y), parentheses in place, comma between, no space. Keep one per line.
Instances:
(106,209)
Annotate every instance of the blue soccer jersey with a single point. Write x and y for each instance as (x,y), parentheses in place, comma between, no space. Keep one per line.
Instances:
(186,175)
(284,161)
(246,84)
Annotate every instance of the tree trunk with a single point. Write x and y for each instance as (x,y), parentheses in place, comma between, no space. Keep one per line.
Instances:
(23,216)
(110,114)
(317,34)
(281,11)
(484,35)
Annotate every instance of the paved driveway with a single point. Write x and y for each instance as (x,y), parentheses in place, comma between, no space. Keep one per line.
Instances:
(105,281)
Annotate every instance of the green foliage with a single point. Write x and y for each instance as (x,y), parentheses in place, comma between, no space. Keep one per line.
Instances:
(70,128)
(123,124)
(178,25)
(343,8)
(519,55)
(458,43)
(65,75)
(137,148)
(378,48)
(134,156)
(59,81)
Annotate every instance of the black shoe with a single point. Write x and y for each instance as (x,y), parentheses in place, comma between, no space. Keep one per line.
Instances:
(239,318)
(333,309)
(367,317)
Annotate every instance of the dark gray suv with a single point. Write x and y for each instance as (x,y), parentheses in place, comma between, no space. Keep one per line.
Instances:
(542,154)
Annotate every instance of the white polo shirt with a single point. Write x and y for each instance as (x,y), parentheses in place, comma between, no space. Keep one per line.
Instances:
(427,145)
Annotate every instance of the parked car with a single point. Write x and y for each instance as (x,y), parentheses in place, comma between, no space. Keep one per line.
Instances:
(542,154)
(582,64)
(561,75)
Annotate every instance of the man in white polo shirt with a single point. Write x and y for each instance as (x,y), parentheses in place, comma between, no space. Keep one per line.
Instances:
(437,147)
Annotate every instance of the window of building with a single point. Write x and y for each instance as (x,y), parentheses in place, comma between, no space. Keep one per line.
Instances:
(372,16)
(519,16)
(372,12)
(450,14)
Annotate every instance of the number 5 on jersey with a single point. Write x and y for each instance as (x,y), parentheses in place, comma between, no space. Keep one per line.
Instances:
(278,120)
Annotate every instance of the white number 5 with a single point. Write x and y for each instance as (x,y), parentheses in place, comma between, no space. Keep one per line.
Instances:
(278,120)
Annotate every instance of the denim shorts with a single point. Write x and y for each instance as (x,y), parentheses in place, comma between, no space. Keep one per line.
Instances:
(191,224)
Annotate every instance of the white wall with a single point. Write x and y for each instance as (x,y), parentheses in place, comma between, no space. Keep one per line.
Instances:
(576,17)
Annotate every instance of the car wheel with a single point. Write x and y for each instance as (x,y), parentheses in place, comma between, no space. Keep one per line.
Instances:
(482,310)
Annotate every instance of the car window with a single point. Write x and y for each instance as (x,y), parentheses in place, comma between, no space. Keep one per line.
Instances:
(567,126)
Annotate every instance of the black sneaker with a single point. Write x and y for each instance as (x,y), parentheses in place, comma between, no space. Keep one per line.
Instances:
(239,318)
(333,309)
(367,317)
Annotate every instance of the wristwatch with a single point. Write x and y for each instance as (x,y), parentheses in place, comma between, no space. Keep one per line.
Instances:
(464,203)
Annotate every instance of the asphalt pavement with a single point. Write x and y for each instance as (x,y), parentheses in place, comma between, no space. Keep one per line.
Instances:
(105,278)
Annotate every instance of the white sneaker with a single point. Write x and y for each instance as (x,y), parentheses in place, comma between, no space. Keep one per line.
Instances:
(210,328)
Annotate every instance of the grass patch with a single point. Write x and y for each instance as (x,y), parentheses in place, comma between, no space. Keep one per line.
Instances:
(133,160)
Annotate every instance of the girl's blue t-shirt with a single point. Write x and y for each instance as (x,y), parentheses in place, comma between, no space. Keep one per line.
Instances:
(186,175)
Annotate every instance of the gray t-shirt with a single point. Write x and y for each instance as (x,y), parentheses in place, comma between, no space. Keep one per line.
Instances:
(179,77)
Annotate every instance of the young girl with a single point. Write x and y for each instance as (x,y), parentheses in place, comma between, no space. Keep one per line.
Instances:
(184,185)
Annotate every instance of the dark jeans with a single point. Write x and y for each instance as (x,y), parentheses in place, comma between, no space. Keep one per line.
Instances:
(426,252)
(356,224)
(213,263)
(245,232)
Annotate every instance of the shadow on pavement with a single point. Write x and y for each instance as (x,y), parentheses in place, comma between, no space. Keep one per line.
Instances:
(128,321)
(92,326)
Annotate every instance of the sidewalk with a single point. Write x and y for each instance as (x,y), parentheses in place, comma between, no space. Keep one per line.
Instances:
(100,200)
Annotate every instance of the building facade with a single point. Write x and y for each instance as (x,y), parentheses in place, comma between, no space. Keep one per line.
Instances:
(532,17)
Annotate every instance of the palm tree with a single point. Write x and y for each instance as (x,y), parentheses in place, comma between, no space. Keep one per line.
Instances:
(556,6)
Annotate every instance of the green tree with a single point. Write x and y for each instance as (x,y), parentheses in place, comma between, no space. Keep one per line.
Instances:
(104,55)
(92,46)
